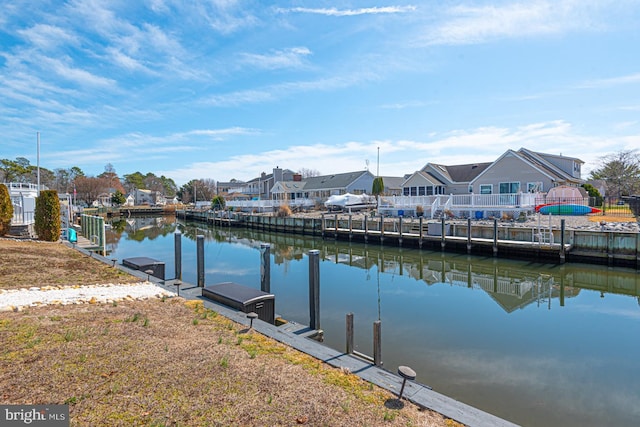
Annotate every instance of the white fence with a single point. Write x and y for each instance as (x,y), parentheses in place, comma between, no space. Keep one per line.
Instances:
(408,205)
(269,205)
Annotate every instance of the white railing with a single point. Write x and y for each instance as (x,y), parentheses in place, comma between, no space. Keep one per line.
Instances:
(21,186)
(23,209)
(269,204)
(461,201)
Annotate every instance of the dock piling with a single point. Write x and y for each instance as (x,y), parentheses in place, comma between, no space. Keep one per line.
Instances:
(349,320)
(562,254)
(200,260)
(265,267)
(495,237)
(314,289)
(177,238)
(468,235)
(377,343)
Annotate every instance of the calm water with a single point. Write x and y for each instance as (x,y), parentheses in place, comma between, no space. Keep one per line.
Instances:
(537,344)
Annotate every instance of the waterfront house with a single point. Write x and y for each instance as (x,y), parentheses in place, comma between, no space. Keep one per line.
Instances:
(260,188)
(393,185)
(320,188)
(527,171)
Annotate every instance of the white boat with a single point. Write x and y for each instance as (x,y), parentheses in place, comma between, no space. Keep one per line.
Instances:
(350,202)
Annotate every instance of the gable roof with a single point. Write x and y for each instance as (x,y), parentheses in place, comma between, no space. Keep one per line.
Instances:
(393,182)
(267,177)
(542,160)
(538,162)
(458,173)
(430,178)
(328,182)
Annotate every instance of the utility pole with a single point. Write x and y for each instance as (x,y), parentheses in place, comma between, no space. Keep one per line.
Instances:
(38,161)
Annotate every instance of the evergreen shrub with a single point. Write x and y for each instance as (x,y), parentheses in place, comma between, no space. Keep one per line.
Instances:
(47,216)
(6,210)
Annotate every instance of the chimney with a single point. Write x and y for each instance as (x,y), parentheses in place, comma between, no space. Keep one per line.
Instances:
(277,174)
(297,177)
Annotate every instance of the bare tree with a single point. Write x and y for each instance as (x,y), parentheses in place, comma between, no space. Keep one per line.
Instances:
(308,173)
(621,172)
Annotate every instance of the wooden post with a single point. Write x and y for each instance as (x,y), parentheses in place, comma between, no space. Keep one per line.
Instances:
(349,333)
(420,236)
(400,231)
(381,228)
(350,227)
(336,227)
(442,231)
(200,258)
(366,229)
(323,226)
(265,267)
(495,237)
(314,289)
(562,289)
(177,238)
(377,343)
(468,235)
(562,254)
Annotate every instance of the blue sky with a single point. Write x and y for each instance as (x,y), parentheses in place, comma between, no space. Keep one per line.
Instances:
(226,89)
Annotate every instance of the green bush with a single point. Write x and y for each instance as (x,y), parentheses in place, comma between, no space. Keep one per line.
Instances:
(47,216)
(217,203)
(378,186)
(6,210)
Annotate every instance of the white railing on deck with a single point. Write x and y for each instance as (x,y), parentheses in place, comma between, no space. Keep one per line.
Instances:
(461,201)
(269,204)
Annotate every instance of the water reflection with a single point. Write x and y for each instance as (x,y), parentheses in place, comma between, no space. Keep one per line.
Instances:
(535,343)
(511,284)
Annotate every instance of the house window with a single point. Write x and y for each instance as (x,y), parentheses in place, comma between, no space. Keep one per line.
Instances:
(509,187)
(430,191)
(421,191)
(405,191)
(414,191)
(533,187)
(486,189)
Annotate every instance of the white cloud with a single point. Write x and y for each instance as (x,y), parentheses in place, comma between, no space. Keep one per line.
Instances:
(45,36)
(285,58)
(613,81)
(479,24)
(68,72)
(350,12)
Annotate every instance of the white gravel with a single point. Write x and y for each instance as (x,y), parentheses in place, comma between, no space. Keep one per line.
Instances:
(18,299)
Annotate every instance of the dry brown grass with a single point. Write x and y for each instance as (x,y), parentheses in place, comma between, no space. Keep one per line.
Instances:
(171,362)
(611,218)
(24,264)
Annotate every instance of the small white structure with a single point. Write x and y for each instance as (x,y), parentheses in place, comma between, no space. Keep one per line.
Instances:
(350,202)
(23,198)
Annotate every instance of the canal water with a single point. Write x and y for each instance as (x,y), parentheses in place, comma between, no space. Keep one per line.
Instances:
(536,344)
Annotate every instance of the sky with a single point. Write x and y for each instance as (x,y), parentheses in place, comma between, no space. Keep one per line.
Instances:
(227,89)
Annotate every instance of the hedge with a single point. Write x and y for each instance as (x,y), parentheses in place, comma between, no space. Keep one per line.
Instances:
(6,210)
(47,216)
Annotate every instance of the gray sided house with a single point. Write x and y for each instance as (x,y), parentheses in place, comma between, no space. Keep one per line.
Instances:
(260,188)
(434,179)
(320,188)
(528,172)
(289,190)
(393,185)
